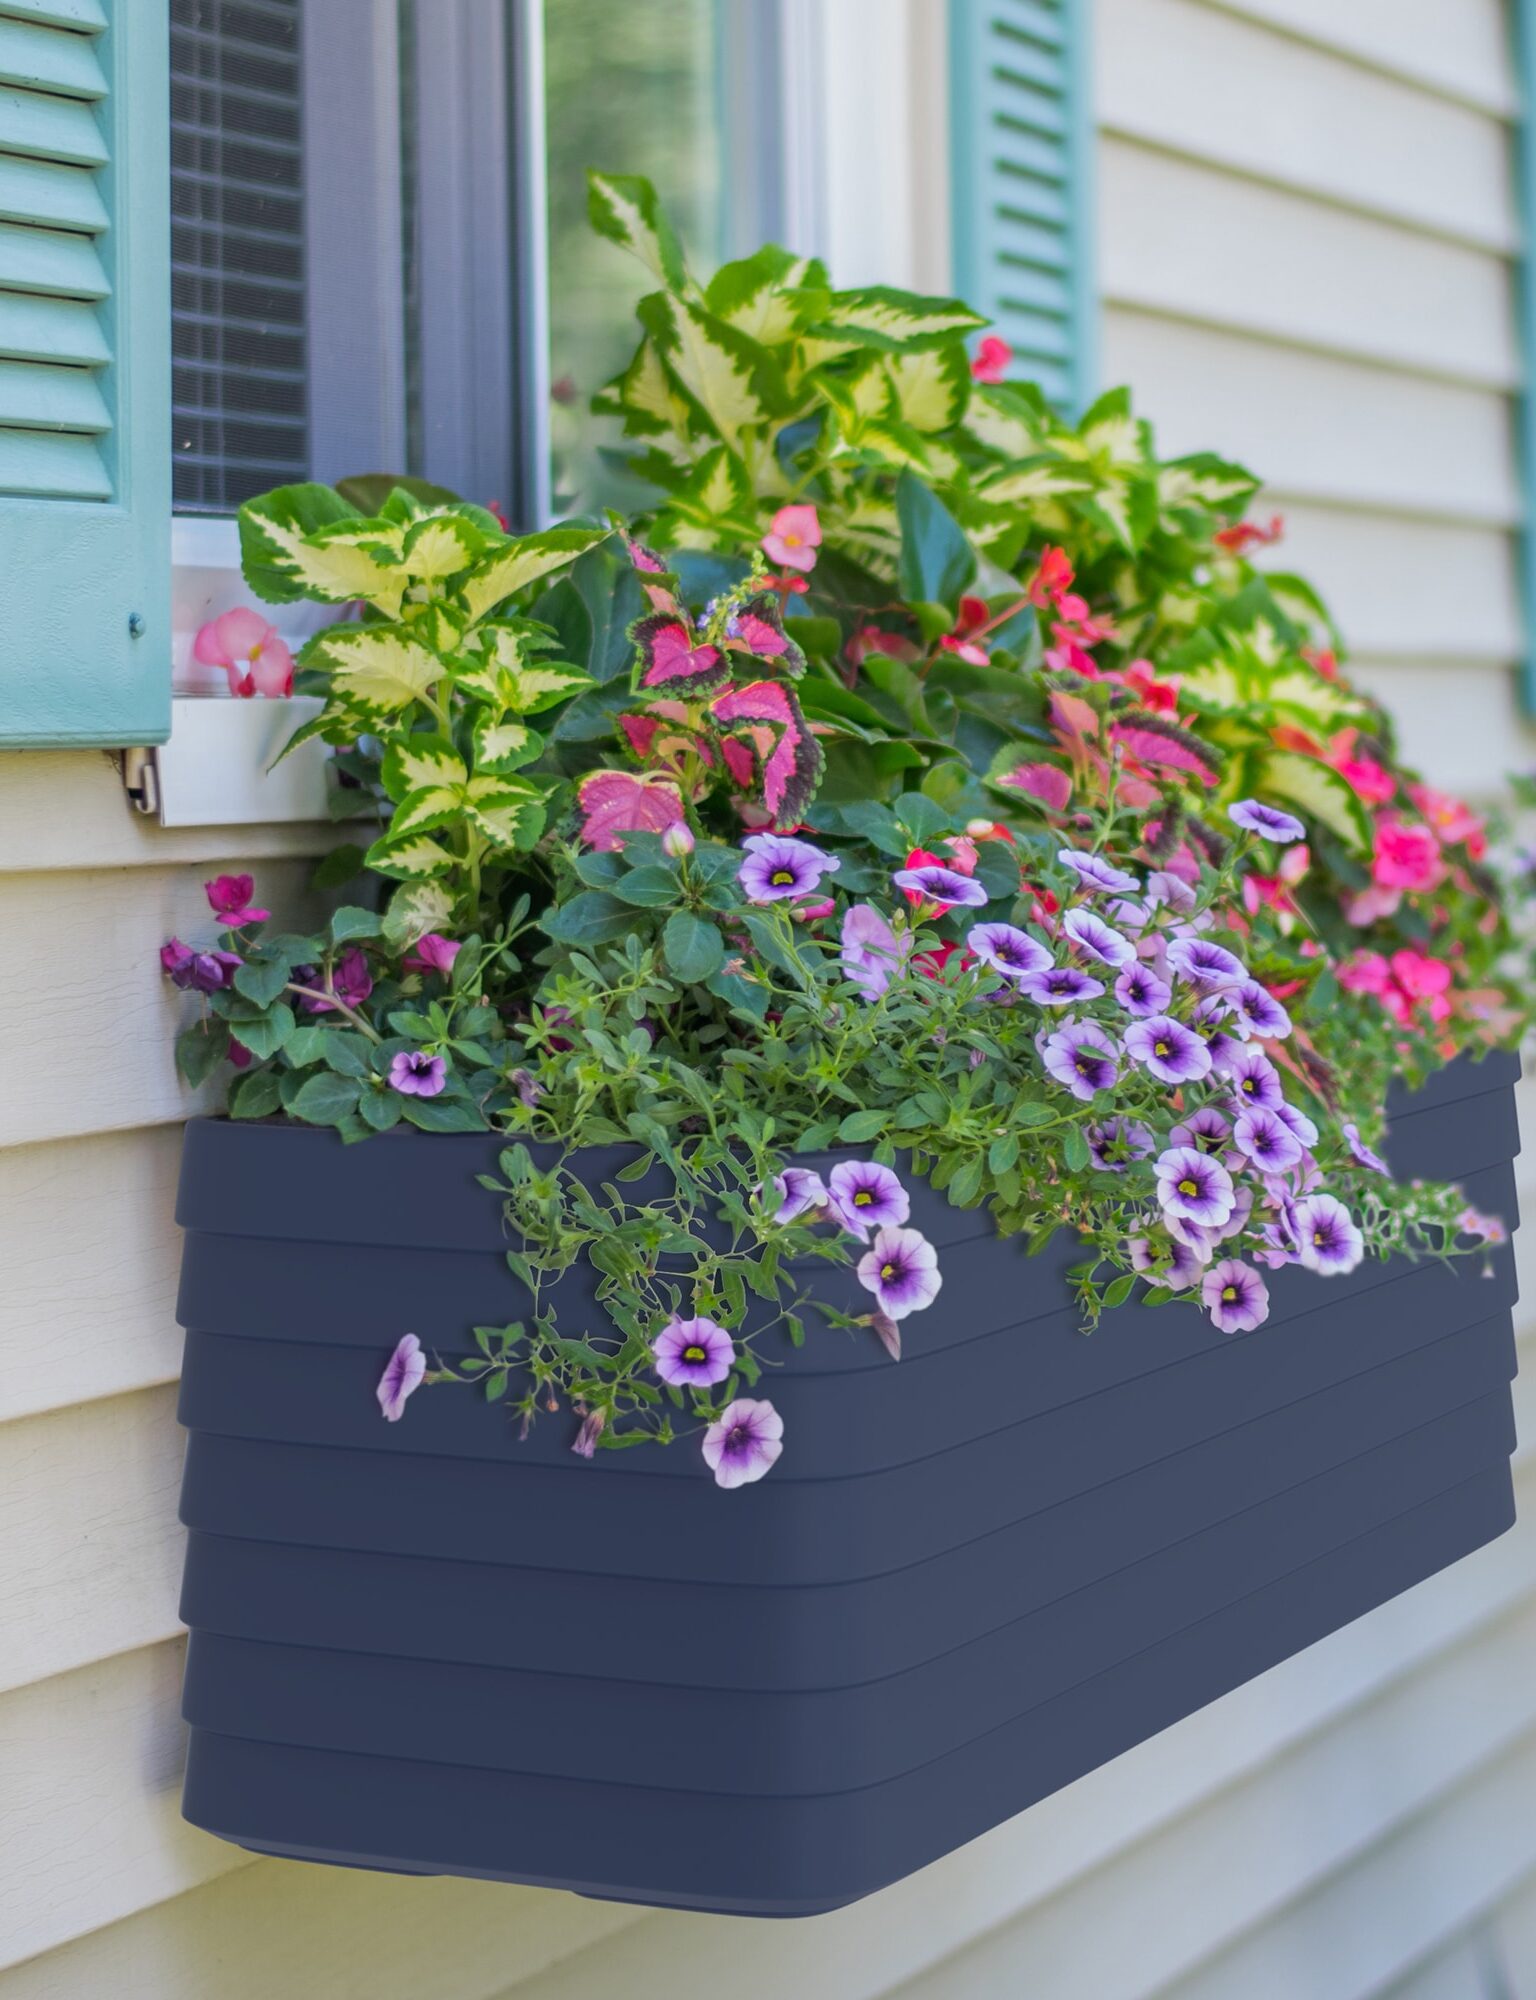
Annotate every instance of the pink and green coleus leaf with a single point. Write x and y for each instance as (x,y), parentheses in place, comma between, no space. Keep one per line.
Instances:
(1048,784)
(768,748)
(668,655)
(614,803)
(757,629)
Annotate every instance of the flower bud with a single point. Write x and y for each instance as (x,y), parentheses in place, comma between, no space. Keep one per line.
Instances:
(677,840)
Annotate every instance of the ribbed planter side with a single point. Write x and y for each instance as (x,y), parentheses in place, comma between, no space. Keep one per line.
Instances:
(972,1577)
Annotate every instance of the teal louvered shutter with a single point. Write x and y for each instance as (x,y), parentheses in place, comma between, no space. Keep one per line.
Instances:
(1021,147)
(85,457)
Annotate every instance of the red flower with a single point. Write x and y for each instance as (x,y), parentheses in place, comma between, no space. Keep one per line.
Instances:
(1246,535)
(991,359)
(1054,576)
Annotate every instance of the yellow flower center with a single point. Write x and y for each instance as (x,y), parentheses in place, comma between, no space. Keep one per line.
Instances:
(887,1271)
(863,1198)
(1229,1293)
(1189,1187)
(781,878)
(1162,1048)
(694,1353)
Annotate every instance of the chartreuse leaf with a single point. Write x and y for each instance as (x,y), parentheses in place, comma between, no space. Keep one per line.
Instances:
(508,569)
(502,746)
(411,857)
(880,316)
(1319,791)
(273,554)
(625,209)
(717,367)
(414,909)
(417,761)
(373,667)
(422,811)
(257,1095)
(761,297)
(440,546)
(715,504)
(508,811)
(931,388)
(535,688)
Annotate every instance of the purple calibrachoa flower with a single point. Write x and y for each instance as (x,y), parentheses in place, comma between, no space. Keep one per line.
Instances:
(1212,1023)
(1266,1140)
(744,1442)
(1097,874)
(1172,1052)
(872,953)
(800,1190)
(1298,1121)
(1092,935)
(1166,887)
(1360,1152)
(864,1196)
(1141,993)
(901,1268)
(944,886)
(1205,964)
(1254,1080)
(1114,1144)
(1326,1235)
(1237,1221)
(1206,1129)
(1171,1264)
(1256,1011)
(1128,915)
(1235,1296)
(1200,1243)
(1007,950)
(1194,1188)
(1255,817)
(1060,986)
(1081,1056)
(401,1378)
(693,1353)
(778,868)
(198,971)
(416,1074)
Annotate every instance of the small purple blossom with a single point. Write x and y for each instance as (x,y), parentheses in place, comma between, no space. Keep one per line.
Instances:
(1237,1221)
(934,883)
(1254,1080)
(1266,1140)
(1298,1121)
(1173,1265)
(416,1074)
(1096,874)
(800,1190)
(1141,993)
(901,1268)
(198,971)
(1205,964)
(744,1442)
(1206,1129)
(1327,1237)
(865,1196)
(1360,1152)
(1172,1052)
(1255,817)
(1194,1188)
(401,1378)
(1235,1296)
(1117,1142)
(871,951)
(1081,1056)
(693,1353)
(1008,950)
(1060,986)
(1200,1243)
(1255,1011)
(592,1427)
(779,869)
(1165,887)
(1101,943)
(1211,1022)
(1128,915)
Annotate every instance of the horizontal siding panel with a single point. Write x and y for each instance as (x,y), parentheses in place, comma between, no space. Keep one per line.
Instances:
(1514,1942)
(1177,74)
(51,261)
(1460,1972)
(1492,737)
(1458,47)
(50,128)
(57,196)
(1181,239)
(64,467)
(36,395)
(40,58)
(39,329)
(1318,425)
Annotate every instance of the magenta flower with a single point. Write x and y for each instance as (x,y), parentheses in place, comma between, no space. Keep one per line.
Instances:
(872,953)
(1081,1056)
(1235,1296)
(1360,1152)
(401,1378)
(779,869)
(1256,817)
(351,981)
(1205,964)
(1193,1187)
(1117,1142)
(416,1074)
(1059,986)
(1254,1010)
(935,883)
(431,953)
(800,1191)
(1094,937)
(1174,1265)
(1254,1080)
(229,897)
(1326,1236)
(693,1353)
(1266,1140)
(864,1196)
(1140,991)
(1007,950)
(744,1442)
(1169,1050)
(198,971)
(901,1268)
(1096,874)
(1206,1129)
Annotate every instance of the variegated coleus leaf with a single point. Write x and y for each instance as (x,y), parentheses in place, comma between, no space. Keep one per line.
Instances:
(713,508)
(409,857)
(931,389)
(730,382)
(503,745)
(648,399)
(614,803)
(1204,483)
(503,571)
(668,655)
(1316,789)
(414,909)
(501,807)
(499,669)
(441,546)
(768,748)
(376,670)
(414,763)
(306,542)
(881,316)
(769,296)
(625,209)
(756,628)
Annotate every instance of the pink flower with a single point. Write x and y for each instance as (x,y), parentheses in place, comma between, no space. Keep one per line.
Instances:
(992,357)
(1453,821)
(1365,908)
(1407,856)
(871,639)
(1419,975)
(229,897)
(250,652)
(431,953)
(1365,972)
(1054,576)
(793,537)
(416,1074)
(1368,778)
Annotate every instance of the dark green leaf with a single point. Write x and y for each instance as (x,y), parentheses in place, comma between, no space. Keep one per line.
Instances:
(593,916)
(351,922)
(342,864)
(325,1099)
(262,980)
(694,947)
(937,561)
(200,1050)
(256,1095)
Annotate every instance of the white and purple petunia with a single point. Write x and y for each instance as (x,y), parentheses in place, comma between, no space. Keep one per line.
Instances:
(1096,874)
(946,887)
(1141,993)
(781,869)
(1254,1010)
(901,1268)
(1264,1138)
(1080,1055)
(1097,940)
(1235,1296)
(1362,1154)
(1193,1187)
(1268,822)
(871,953)
(1206,1129)
(865,1196)
(1254,1079)
(1237,1221)
(1007,950)
(1298,1121)
(1173,1265)
(1327,1238)
(800,1191)
(1204,964)
(1172,890)
(401,1378)
(693,1353)
(1117,1142)
(1169,1050)
(1060,986)
(744,1442)
(1214,1025)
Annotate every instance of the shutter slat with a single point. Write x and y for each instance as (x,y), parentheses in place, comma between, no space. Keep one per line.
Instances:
(50,260)
(38,395)
(59,197)
(87,16)
(56,467)
(1022,182)
(39,329)
(50,128)
(42,59)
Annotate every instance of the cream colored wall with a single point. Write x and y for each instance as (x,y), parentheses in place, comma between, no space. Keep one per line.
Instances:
(1306,235)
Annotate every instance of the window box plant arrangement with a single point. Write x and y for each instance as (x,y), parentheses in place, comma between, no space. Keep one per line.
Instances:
(835,953)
